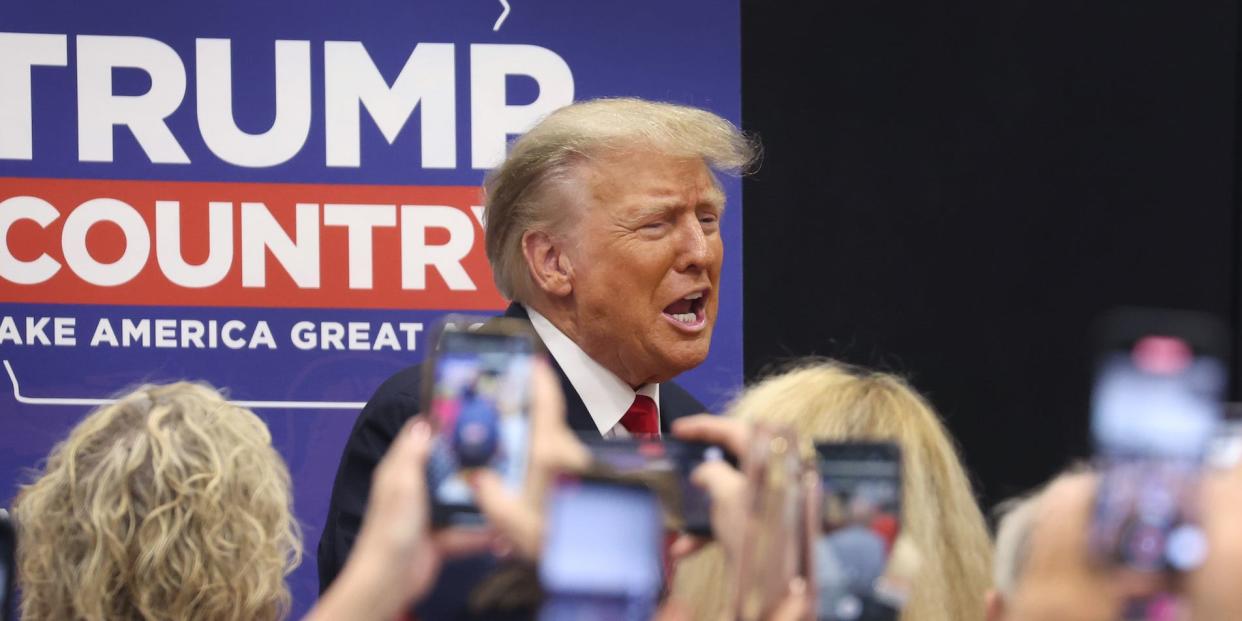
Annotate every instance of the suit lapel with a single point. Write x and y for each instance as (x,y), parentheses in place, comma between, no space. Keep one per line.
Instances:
(576,414)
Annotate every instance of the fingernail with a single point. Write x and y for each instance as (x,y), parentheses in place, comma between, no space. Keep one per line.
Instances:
(797,586)
(421,429)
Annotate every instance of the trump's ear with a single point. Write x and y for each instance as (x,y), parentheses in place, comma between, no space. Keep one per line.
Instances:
(549,268)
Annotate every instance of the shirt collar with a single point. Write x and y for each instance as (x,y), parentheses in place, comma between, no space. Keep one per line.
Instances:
(606,396)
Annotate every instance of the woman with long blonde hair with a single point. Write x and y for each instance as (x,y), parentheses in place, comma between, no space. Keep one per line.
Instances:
(829,401)
(169,504)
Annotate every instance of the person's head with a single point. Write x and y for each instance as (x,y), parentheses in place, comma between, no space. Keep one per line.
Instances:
(169,504)
(827,401)
(1059,580)
(605,218)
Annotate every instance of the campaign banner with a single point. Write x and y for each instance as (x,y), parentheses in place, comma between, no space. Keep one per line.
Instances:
(282,198)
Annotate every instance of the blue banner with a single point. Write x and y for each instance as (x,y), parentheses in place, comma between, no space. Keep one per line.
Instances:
(281,197)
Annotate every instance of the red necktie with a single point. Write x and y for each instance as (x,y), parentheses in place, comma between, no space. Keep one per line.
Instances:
(642,420)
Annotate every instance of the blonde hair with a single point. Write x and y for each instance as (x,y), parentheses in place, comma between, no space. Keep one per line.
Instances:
(829,401)
(168,504)
(517,195)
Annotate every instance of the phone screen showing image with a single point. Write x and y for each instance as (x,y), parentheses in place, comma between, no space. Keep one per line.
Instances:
(665,466)
(860,518)
(602,555)
(478,406)
(1156,406)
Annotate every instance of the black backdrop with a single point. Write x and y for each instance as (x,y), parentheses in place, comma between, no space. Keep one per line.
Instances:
(954,190)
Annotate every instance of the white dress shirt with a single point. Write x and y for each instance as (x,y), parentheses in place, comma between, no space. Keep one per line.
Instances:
(606,396)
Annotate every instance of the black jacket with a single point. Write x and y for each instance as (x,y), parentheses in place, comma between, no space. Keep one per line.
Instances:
(396,400)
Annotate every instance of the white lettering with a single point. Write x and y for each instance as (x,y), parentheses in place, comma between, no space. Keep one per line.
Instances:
(331,335)
(64,329)
(262,336)
(135,332)
(359,336)
(219,244)
(387,337)
(228,334)
(361,221)
(18,53)
(417,255)
(137,242)
(165,333)
(215,105)
(9,331)
(492,119)
(303,335)
(191,332)
(261,232)
(99,110)
(34,331)
(352,81)
(11,268)
(410,330)
(104,334)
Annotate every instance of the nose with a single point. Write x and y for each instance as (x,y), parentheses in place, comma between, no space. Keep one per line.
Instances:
(695,250)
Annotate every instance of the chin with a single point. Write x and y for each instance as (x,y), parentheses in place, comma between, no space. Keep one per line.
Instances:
(679,362)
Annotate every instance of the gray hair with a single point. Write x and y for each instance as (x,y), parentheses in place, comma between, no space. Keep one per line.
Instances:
(1015,524)
(1013,541)
(517,196)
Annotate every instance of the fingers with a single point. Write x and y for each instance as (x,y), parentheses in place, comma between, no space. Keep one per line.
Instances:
(547,401)
(685,545)
(461,542)
(726,487)
(732,434)
(553,447)
(511,516)
(673,610)
(722,481)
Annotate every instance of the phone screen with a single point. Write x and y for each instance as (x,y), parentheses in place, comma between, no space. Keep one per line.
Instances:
(1156,406)
(860,518)
(478,406)
(665,466)
(602,555)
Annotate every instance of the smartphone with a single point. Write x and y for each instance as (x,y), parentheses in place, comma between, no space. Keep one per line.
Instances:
(477,397)
(1156,405)
(771,552)
(858,522)
(602,556)
(665,467)
(8,571)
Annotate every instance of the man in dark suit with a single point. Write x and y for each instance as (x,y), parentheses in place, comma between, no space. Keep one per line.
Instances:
(602,225)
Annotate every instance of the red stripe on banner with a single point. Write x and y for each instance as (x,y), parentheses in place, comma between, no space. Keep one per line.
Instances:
(82,242)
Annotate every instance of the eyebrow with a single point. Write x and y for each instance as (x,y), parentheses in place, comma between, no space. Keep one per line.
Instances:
(713,198)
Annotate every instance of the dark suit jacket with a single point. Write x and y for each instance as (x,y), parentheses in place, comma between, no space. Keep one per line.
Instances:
(396,400)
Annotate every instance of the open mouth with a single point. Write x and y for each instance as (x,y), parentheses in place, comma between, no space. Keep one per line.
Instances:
(688,312)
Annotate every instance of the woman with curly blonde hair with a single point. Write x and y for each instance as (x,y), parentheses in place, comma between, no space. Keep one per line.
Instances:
(169,504)
(828,401)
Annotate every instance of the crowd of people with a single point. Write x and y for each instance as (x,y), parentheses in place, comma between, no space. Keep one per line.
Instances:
(603,230)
